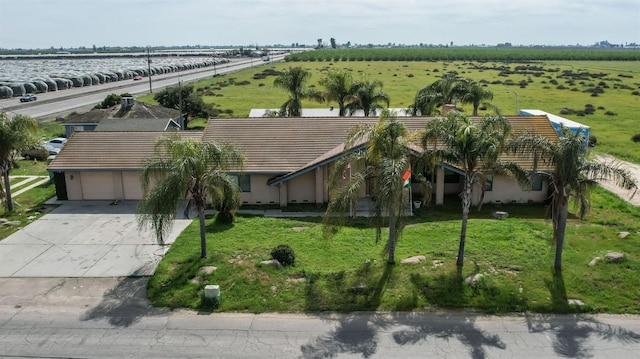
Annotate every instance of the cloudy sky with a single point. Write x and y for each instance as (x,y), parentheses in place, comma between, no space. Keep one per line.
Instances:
(74,23)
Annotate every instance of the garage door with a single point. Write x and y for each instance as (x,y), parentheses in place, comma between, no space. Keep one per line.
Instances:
(98,185)
(131,184)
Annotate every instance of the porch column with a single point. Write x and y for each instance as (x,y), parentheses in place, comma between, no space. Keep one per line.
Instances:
(439,185)
(284,198)
(319,186)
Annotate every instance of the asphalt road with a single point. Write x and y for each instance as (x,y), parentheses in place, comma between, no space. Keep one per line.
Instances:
(59,103)
(111,318)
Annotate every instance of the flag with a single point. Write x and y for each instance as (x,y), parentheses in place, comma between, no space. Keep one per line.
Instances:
(406,178)
(348,168)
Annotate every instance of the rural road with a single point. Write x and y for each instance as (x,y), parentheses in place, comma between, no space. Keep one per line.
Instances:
(111,318)
(60,103)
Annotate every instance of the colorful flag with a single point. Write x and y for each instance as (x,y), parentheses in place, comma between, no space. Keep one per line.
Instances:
(344,173)
(406,178)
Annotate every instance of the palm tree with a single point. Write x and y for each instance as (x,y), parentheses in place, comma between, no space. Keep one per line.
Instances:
(367,96)
(16,134)
(443,91)
(475,149)
(337,86)
(384,163)
(474,93)
(293,80)
(195,171)
(426,102)
(573,176)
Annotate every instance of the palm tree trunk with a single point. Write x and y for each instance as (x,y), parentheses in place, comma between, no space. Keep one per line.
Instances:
(475,109)
(466,206)
(392,239)
(203,239)
(561,225)
(7,191)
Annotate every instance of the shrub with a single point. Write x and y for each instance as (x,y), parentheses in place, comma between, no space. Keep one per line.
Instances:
(592,141)
(610,113)
(109,101)
(636,138)
(284,254)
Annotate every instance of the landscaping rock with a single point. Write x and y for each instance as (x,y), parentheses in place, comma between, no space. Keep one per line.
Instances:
(614,257)
(11,223)
(271,263)
(577,302)
(594,261)
(298,229)
(437,263)
(196,280)
(473,280)
(413,260)
(623,235)
(500,215)
(206,270)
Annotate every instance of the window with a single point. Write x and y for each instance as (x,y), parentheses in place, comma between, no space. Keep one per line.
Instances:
(536,182)
(244,182)
(488,185)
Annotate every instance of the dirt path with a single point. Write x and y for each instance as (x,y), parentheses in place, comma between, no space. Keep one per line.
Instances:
(622,193)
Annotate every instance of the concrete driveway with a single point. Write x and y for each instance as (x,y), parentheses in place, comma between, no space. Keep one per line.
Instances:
(85,239)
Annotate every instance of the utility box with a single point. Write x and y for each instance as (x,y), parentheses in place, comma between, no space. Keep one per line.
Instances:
(212,291)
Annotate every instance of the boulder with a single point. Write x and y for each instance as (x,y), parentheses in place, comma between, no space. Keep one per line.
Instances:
(413,260)
(577,302)
(206,270)
(594,261)
(271,263)
(473,280)
(614,257)
(623,235)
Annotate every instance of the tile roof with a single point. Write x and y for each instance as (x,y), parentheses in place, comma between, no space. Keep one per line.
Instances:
(283,145)
(133,124)
(92,150)
(271,145)
(138,110)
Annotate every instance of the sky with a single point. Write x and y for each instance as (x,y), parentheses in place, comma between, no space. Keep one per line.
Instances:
(32,24)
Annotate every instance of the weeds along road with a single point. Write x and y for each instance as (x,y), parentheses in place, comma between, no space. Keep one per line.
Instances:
(59,103)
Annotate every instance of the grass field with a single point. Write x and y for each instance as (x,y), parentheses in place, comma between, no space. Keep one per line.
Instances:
(548,86)
(349,272)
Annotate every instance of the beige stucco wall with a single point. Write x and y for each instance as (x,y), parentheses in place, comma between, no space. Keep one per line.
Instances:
(507,190)
(260,193)
(301,189)
(74,186)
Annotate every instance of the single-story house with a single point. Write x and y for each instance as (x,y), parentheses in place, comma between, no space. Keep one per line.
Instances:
(288,160)
(126,116)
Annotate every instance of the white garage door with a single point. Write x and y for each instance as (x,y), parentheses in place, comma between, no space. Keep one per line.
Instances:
(98,185)
(131,185)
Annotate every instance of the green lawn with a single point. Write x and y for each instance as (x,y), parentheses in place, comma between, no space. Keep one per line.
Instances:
(548,86)
(349,273)
(28,204)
